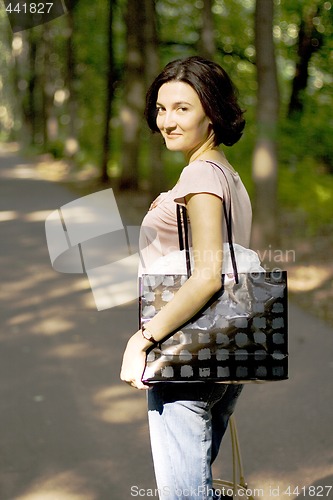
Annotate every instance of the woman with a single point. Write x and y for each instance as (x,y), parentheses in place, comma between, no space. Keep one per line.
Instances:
(193,104)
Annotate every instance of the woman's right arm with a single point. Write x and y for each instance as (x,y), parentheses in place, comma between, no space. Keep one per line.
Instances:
(205,213)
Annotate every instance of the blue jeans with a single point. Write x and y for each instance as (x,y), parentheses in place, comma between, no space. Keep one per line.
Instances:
(187,422)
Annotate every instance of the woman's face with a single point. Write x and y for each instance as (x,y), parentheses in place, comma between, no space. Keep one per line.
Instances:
(181,118)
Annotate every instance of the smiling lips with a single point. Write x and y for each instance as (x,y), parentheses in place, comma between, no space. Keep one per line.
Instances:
(172,136)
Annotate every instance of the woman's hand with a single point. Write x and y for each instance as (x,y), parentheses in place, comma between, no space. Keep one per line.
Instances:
(134,361)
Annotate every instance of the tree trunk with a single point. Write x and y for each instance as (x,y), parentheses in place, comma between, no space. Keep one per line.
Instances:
(109,98)
(152,68)
(309,41)
(71,146)
(30,108)
(265,167)
(207,46)
(43,73)
(134,91)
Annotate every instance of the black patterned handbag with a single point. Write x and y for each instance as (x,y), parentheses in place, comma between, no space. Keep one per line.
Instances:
(240,335)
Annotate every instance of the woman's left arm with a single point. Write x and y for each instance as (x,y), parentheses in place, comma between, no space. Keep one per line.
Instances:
(205,212)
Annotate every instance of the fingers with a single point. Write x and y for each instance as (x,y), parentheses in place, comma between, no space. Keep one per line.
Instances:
(133,366)
(138,385)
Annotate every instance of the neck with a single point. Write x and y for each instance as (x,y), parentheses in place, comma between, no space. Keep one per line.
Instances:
(202,149)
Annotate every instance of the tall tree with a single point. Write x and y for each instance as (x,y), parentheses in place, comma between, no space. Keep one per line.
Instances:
(207,46)
(151,71)
(134,89)
(265,153)
(71,142)
(309,41)
(110,85)
(30,109)
(43,70)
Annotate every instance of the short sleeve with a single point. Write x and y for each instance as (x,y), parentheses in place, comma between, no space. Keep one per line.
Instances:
(198,177)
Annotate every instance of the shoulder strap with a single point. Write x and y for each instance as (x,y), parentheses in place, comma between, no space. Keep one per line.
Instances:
(228,220)
(182,223)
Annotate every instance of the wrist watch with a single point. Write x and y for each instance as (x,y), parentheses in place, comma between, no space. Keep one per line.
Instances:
(147,335)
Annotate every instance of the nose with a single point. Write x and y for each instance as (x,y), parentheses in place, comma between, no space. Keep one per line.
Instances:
(168,121)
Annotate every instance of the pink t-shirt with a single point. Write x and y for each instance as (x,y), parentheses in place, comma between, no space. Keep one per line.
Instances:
(159,233)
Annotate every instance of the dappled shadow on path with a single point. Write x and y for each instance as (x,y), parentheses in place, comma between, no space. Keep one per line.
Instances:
(70,429)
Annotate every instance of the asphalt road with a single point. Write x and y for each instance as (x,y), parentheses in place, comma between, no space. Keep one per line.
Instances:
(70,430)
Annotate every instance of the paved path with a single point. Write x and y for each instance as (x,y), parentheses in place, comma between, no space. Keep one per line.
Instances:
(70,430)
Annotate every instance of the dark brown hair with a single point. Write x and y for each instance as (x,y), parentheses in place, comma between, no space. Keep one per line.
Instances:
(216,91)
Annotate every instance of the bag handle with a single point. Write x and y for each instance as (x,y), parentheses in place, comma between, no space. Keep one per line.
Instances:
(228,220)
(238,479)
(183,224)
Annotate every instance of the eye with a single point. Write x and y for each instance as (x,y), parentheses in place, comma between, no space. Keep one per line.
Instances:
(159,110)
(183,109)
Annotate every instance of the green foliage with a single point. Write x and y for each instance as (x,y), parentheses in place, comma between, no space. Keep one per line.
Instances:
(305,146)
(307,190)
(180,24)
(306,167)
(309,137)
(57,149)
(89,40)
